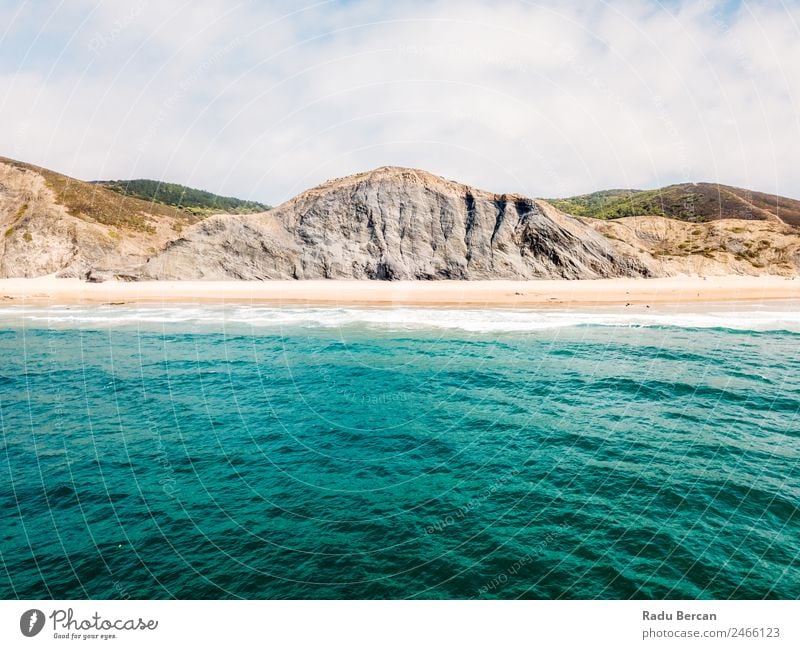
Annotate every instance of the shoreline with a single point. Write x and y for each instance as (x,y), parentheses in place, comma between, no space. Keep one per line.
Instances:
(50,290)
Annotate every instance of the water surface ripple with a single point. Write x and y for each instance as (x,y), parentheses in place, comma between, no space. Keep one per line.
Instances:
(269,453)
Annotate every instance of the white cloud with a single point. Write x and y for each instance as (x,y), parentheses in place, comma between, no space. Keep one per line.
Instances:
(539,98)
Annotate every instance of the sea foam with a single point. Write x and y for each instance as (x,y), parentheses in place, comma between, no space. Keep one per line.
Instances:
(754,317)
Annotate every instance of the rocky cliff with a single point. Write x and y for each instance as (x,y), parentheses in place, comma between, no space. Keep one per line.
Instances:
(389,223)
(50,223)
(395,223)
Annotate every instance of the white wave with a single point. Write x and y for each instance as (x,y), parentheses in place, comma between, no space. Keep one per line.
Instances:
(755,318)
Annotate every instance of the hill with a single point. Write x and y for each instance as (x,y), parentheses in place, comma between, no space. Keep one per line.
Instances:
(388,223)
(50,223)
(691,202)
(395,223)
(195,201)
(94,203)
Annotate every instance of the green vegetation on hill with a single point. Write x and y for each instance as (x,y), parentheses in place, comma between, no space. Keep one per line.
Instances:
(597,205)
(694,202)
(196,201)
(92,202)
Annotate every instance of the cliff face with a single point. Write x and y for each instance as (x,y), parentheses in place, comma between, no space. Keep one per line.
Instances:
(38,235)
(390,223)
(394,223)
(50,223)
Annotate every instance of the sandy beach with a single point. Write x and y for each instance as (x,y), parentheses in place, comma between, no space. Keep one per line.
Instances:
(673,290)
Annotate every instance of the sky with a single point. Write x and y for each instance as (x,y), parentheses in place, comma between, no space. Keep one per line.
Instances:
(264,99)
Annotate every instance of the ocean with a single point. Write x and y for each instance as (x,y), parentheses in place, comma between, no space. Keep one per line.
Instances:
(256,452)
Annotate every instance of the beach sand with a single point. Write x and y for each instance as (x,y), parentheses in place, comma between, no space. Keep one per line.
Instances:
(475,294)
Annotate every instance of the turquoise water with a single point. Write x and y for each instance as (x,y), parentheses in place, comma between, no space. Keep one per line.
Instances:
(210,452)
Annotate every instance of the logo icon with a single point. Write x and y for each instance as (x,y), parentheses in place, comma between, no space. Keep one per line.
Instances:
(31,622)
